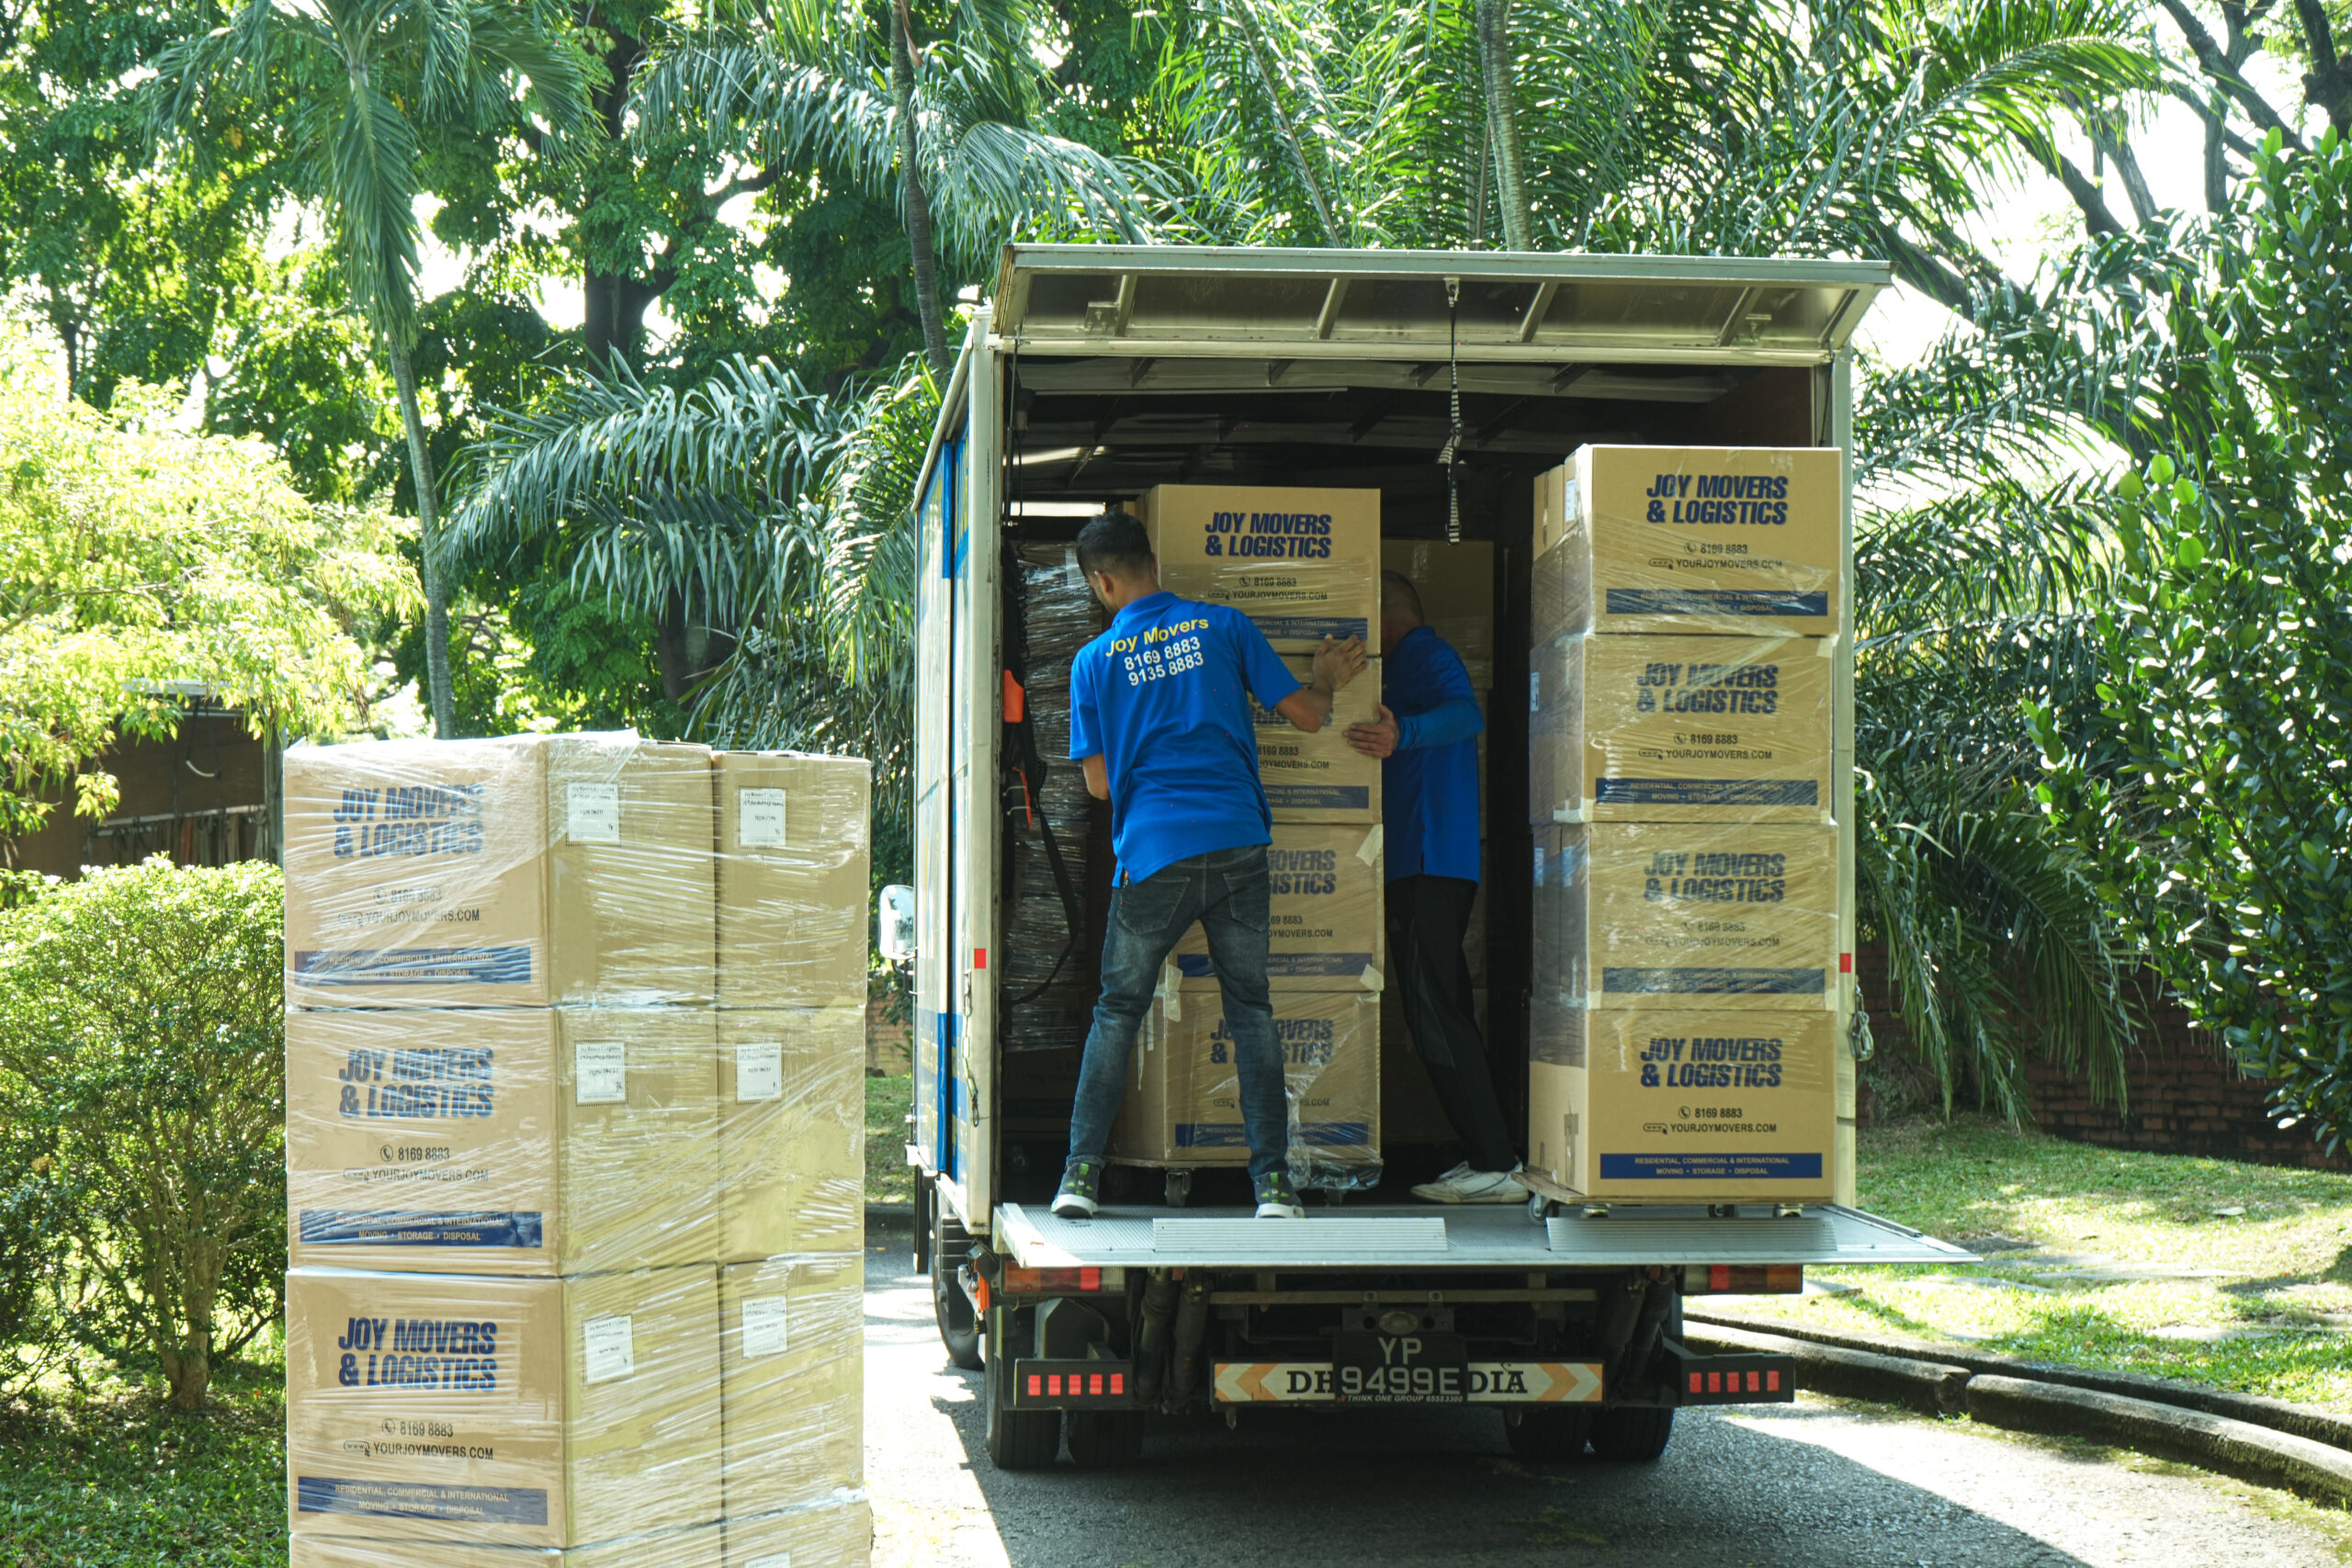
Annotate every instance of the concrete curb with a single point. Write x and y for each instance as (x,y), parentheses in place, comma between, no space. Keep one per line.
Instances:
(2212,1442)
(2324,1426)
(1928,1387)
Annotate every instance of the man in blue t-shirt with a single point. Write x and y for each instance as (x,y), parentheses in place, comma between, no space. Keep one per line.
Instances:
(1426,738)
(1160,720)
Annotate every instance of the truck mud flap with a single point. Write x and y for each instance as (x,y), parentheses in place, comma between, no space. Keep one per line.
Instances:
(1487,1382)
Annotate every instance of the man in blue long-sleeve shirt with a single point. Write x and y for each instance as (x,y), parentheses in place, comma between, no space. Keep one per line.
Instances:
(1426,738)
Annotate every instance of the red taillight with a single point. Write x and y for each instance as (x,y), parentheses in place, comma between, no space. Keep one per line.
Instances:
(1698,1382)
(1714,1382)
(1053,1386)
(1744,1279)
(1094,1383)
(1016,1280)
(1090,1279)
(1772,1382)
(1037,1385)
(1755,1382)
(1119,1383)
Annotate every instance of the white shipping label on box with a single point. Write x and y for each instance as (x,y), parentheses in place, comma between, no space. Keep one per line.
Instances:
(759,1070)
(608,1349)
(763,1331)
(599,1073)
(593,813)
(759,818)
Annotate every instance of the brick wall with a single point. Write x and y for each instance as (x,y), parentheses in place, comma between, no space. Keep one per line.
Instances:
(2186,1096)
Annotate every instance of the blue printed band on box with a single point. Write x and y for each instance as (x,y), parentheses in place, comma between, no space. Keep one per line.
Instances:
(1279,966)
(329,1227)
(422,1500)
(1697,982)
(1715,602)
(414,966)
(1707,792)
(1316,797)
(1306,628)
(1710,1167)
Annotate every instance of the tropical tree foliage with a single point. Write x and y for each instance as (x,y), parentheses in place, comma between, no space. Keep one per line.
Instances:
(2208,779)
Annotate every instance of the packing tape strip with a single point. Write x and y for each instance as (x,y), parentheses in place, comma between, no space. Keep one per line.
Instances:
(1369,851)
(1371,979)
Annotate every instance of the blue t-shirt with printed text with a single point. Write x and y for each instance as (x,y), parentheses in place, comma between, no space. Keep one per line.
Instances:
(1163,698)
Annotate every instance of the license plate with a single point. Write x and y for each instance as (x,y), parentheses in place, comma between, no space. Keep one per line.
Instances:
(1400,1368)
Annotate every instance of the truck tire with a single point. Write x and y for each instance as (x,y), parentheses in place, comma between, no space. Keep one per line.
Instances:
(1018,1439)
(1103,1439)
(1631,1434)
(1548,1435)
(959,1325)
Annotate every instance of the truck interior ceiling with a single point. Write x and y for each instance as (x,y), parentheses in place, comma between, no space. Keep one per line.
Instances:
(1088,430)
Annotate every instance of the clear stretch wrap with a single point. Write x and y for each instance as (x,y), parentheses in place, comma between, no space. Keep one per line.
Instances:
(1049,978)
(1679,728)
(1184,1104)
(523,871)
(1325,932)
(1659,914)
(1304,564)
(1685,1105)
(1742,540)
(793,883)
(564,1228)
(1320,777)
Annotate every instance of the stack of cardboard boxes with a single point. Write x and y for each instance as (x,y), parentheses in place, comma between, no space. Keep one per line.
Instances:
(1683,1015)
(573,1153)
(1304,564)
(1456,584)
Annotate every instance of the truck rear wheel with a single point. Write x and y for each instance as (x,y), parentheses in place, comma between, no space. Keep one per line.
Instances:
(1104,1440)
(1631,1434)
(1018,1439)
(959,1325)
(1549,1437)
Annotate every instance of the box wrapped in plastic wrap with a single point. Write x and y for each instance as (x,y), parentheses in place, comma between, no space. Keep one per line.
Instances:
(502,1140)
(1654,915)
(1679,728)
(793,884)
(1183,1101)
(1684,1106)
(522,871)
(1744,540)
(1325,932)
(837,1532)
(547,1413)
(1456,584)
(1051,950)
(793,1375)
(1320,777)
(791,1156)
(1304,564)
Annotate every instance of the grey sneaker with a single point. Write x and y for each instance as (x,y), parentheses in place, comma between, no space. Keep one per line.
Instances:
(1277,1199)
(1082,1183)
(1463,1185)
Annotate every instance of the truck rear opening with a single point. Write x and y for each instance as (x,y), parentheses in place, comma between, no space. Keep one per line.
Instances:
(1096,374)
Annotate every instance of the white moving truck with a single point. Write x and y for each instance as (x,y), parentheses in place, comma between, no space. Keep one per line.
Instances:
(1095,373)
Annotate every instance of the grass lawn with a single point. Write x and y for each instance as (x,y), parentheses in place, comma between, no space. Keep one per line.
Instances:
(2278,1243)
(113,1476)
(887,1178)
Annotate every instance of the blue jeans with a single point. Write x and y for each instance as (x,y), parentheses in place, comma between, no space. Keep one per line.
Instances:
(1226,891)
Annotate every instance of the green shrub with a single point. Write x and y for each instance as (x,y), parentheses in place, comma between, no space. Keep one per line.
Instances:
(142,1055)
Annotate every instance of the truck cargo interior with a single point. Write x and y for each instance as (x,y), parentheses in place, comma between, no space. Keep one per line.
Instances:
(1084,431)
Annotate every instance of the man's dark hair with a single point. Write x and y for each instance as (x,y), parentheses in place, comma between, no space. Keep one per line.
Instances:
(1397,583)
(1117,544)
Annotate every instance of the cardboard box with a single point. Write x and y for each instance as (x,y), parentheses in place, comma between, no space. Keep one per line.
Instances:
(1738,539)
(1320,777)
(1326,932)
(1184,1102)
(1655,915)
(549,1413)
(1681,729)
(1684,1106)
(793,1364)
(510,1141)
(836,1534)
(1456,583)
(1303,564)
(522,871)
(791,1132)
(1409,1110)
(793,883)
(696,1548)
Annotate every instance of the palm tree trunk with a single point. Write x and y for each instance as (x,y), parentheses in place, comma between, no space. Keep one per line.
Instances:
(919,245)
(437,593)
(1502,121)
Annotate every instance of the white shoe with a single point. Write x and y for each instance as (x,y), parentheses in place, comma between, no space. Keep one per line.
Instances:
(1463,1185)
